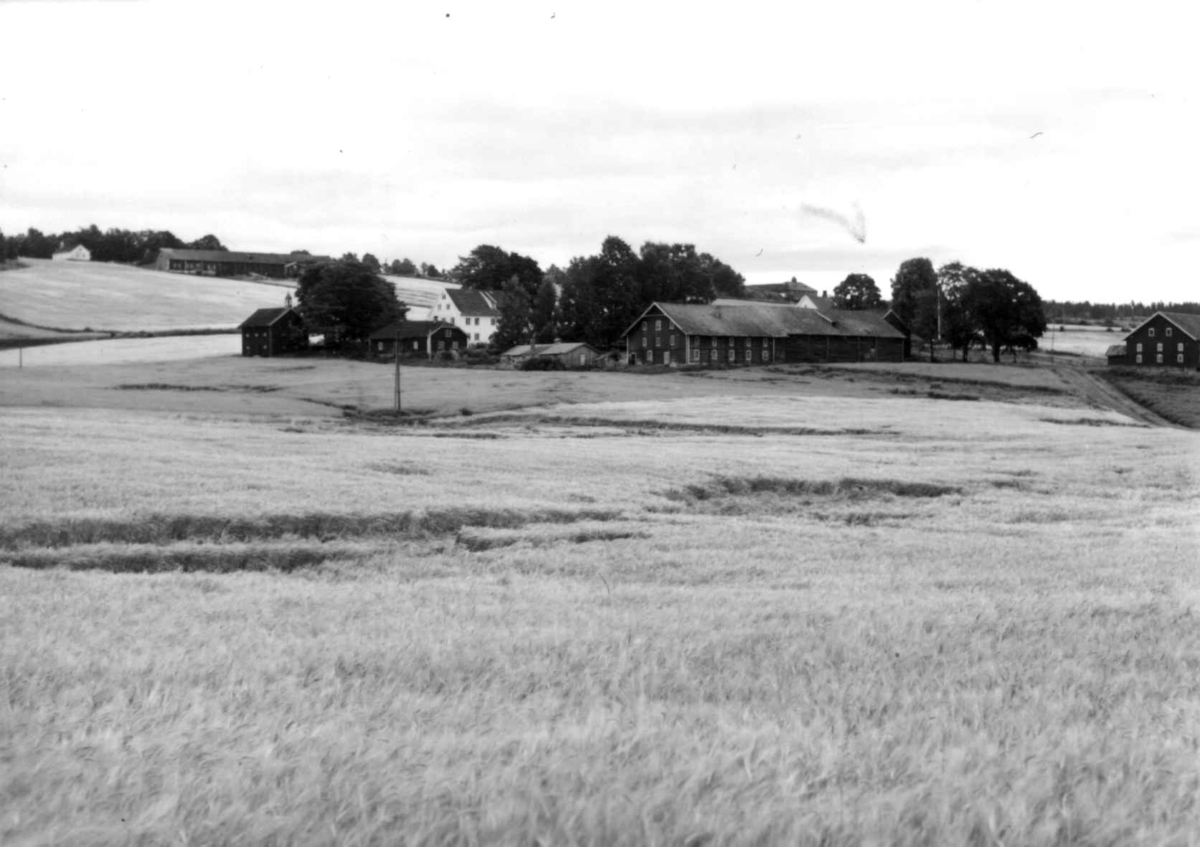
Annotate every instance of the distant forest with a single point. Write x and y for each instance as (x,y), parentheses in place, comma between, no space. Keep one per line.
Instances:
(1069,311)
(112,245)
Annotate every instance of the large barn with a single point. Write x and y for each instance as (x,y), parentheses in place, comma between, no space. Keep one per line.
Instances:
(422,339)
(758,334)
(270,332)
(1165,339)
(231,263)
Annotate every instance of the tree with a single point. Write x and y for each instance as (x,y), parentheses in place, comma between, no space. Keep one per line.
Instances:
(371,262)
(300,253)
(488,268)
(1007,311)
(677,273)
(515,324)
(600,296)
(958,326)
(430,271)
(542,309)
(346,301)
(857,291)
(36,245)
(349,257)
(404,267)
(914,298)
(208,242)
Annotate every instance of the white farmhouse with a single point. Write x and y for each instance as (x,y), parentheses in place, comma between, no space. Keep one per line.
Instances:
(477,312)
(78,253)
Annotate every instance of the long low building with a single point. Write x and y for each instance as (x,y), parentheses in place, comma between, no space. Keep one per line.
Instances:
(232,263)
(759,334)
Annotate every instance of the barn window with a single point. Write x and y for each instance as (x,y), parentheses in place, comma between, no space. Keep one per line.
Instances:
(696,354)
(1179,358)
(477,336)
(657,340)
(643,342)
(749,356)
(1139,356)
(667,357)
(674,340)
(732,355)
(1151,333)
(416,345)
(379,346)
(766,357)
(1160,347)
(1168,332)
(1159,358)
(441,345)
(643,326)
(765,345)
(1139,349)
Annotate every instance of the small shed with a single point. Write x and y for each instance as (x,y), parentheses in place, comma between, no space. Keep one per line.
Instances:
(272,332)
(572,354)
(422,339)
(1116,355)
(78,253)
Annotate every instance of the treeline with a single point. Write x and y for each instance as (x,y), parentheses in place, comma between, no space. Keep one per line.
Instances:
(112,245)
(596,297)
(1068,311)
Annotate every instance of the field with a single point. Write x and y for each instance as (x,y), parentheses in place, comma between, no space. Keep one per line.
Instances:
(111,297)
(1080,339)
(785,605)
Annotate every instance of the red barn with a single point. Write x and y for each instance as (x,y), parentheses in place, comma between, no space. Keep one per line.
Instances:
(419,338)
(758,334)
(1165,339)
(270,332)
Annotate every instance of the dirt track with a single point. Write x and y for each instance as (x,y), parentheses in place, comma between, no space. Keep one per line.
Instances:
(1102,395)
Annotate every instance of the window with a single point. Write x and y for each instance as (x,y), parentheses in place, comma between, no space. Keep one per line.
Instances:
(657,325)
(477,336)
(1151,333)
(749,356)
(643,342)
(766,357)
(667,357)
(696,355)
(1160,347)
(379,346)
(643,326)
(1179,358)
(732,355)
(1139,357)
(1168,332)
(1139,347)
(441,345)
(765,344)
(674,340)
(1159,357)
(657,340)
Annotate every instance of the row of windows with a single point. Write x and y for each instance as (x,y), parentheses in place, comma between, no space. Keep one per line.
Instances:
(1178,347)
(1150,332)
(704,341)
(1159,358)
(467,321)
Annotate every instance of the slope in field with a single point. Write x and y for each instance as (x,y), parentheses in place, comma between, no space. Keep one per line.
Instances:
(78,295)
(419,293)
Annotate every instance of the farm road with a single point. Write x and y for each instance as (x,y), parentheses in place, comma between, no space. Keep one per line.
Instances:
(1099,393)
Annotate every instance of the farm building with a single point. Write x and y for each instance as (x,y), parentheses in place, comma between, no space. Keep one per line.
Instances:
(421,339)
(1116,355)
(758,334)
(229,263)
(78,253)
(271,332)
(477,312)
(1167,339)
(572,354)
(789,292)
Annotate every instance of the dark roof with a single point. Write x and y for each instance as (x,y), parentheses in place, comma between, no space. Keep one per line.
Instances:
(758,320)
(264,317)
(822,304)
(790,287)
(413,329)
(247,258)
(469,301)
(1188,323)
(1116,350)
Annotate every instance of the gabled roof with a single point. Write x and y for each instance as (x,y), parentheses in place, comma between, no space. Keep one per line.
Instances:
(821,304)
(558,348)
(470,301)
(247,258)
(790,287)
(1190,324)
(264,317)
(1116,350)
(413,329)
(767,320)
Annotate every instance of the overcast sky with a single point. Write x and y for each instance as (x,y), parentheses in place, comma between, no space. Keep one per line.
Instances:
(1058,140)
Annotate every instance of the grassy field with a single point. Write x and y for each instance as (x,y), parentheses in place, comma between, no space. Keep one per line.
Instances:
(791,607)
(1080,339)
(1174,394)
(102,296)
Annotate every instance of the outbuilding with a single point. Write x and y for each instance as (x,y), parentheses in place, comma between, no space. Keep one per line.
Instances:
(423,339)
(1165,339)
(272,332)
(572,354)
(78,253)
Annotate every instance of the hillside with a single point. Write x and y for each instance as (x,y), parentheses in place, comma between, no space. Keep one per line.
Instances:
(419,293)
(82,295)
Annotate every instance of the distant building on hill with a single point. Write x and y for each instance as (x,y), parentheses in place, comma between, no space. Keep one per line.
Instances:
(1165,339)
(78,253)
(790,291)
(477,312)
(231,263)
(272,332)
(424,339)
(759,334)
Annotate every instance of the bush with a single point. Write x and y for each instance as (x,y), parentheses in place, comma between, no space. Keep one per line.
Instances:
(542,363)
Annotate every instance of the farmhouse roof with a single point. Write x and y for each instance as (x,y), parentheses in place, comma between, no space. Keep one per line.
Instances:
(760,319)
(790,287)
(412,329)
(558,348)
(1116,350)
(470,301)
(246,258)
(264,317)
(1190,324)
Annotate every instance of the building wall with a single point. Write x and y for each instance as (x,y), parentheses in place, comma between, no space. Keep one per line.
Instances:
(1159,343)
(838,348)
(282,337)
(441,340)
(479,328)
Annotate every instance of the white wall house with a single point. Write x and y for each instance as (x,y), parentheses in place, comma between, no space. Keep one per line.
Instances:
(78,253)
(477,312)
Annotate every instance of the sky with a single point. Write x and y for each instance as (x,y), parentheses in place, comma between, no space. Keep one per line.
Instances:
(1057,140)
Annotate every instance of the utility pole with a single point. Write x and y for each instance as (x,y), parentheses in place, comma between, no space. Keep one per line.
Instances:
(396,386)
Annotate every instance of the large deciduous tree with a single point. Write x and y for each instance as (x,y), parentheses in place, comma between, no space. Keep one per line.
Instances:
(515,324)
(600,295)
(958,325)
(488,268)
(207,242)
(404,267)
(370,260)
(1007,311)
(857,291)
(677,273)
(914,298)
(346,301)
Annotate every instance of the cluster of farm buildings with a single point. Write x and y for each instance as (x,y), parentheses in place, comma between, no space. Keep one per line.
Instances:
(788,322)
